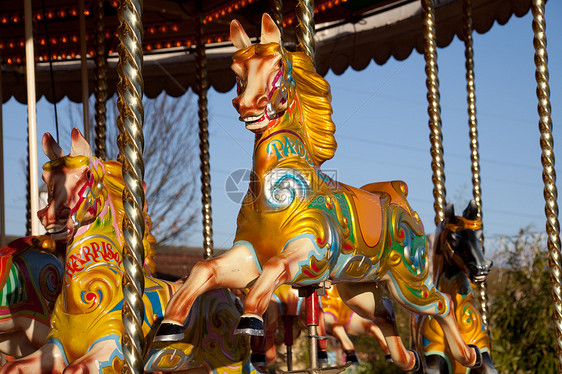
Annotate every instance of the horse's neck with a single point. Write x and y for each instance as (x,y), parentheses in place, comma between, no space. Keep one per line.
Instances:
(104,226)
(443,270)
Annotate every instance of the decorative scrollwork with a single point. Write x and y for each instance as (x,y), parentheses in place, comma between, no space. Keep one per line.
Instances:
(283,186)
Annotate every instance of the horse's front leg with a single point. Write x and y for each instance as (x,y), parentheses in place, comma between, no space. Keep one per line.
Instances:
(279,270)
(234,269)
(46,360)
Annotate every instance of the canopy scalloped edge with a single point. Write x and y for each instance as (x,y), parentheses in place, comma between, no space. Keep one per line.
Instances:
(394,32)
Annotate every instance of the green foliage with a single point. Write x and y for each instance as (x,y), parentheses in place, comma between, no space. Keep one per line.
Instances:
(521,309)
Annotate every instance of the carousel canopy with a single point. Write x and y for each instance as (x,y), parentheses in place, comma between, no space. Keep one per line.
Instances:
(348,33)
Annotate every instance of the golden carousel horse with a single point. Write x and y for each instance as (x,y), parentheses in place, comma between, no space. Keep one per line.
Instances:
(298,226)
(457,262)
(85,212)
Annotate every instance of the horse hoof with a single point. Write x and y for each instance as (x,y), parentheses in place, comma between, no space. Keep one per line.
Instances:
(322,357)
(249,326)
(417,365)
(352,358)
(169,332)
(388,358)
(258,359)
(478,362)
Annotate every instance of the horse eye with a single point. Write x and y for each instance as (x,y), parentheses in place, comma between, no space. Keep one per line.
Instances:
(88,174)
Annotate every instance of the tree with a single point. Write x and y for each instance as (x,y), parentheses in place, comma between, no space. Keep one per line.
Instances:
(521,311)
(170,158)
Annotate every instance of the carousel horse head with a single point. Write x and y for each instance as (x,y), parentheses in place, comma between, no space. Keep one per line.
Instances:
(460,240)
(74,185)
(278,89)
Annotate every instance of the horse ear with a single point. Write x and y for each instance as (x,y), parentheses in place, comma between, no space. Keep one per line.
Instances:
(238,36)
(79,145)
(269,31)
(449,213)
(471,211)
(51,148)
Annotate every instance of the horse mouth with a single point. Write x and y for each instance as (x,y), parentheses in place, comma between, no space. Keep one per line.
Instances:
(479,278)
(58,232)
(254,122)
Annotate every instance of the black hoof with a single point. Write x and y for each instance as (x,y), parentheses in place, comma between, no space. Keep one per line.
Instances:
(478,362)
(352,357)
(388,358)
(258,359)
(322,357)
(169,332)
(417,365)
(249,326)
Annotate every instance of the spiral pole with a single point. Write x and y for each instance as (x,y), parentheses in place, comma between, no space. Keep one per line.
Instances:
(277,14)
(131,144)
(202,87)
(27,190)
(305,28)
(473,136)
(549,172)
(100,89)
(434,111)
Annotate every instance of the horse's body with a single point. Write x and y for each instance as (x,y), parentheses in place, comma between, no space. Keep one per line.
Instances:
(30,280)
(298,226)
(457,261)
(85,210)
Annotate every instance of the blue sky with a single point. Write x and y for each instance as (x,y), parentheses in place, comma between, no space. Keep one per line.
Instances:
(382,132)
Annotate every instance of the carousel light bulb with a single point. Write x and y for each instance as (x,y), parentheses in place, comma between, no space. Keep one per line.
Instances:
(73,12)
(87,12)
(4,20)
(18,60)
(11,44)
(50,15)
(9,60)
(21,43)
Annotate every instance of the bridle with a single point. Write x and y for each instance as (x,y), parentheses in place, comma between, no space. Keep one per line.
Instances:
(88,200)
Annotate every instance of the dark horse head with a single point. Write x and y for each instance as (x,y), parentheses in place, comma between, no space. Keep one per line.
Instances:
(460,242)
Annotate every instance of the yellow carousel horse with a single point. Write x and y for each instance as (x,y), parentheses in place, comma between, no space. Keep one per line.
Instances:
(85,213)
(298,226)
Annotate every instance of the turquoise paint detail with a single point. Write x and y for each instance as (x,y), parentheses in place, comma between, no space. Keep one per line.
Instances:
(249,245)
(61,349)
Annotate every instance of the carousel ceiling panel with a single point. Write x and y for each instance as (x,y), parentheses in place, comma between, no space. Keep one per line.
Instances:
(348,33)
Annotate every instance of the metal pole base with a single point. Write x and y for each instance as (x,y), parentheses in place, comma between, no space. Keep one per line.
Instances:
(330,370)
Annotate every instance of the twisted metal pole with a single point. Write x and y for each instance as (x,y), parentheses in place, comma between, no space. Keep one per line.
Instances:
(131,143)
(100,89)
(277,14)
(202,88)
(549,172)
(434,111)
(305,28)
(473,136)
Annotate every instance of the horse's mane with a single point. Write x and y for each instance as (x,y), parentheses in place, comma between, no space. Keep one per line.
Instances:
(313,92)
(115,184)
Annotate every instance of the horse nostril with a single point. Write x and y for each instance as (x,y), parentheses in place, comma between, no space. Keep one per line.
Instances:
(64,213)
(236,104)
(262,101)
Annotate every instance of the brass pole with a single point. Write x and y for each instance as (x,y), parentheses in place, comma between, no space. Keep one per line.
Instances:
(549,172)
(305,28)
(277,14)
(473,135)
(100,88)
(202,88)
(84,71)
(131,144)
(434,110)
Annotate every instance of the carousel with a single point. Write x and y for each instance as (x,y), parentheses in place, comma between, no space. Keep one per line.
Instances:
(338,246)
